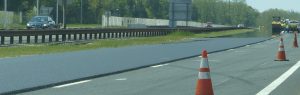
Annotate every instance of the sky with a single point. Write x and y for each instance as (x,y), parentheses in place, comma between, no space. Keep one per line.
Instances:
(262,5)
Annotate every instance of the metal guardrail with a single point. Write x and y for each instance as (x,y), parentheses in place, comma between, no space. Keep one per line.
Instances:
(61,35)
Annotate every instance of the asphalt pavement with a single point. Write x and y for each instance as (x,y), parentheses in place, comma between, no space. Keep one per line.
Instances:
(247,70)
(27,73)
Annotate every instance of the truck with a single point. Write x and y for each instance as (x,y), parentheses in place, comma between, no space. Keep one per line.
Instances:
(276,25)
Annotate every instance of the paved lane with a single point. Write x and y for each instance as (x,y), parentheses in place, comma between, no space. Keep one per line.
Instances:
(243,71)
(47,70)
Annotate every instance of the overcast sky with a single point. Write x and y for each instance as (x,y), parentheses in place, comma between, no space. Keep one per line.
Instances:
(263,5)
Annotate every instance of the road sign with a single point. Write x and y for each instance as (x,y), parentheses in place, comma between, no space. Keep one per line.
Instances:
(179,10)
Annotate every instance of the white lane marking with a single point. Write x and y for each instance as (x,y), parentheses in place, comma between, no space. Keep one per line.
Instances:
(247,45)
(70,84)
(230,49)
(121,79)
(159,65)
(240,51)
(267,90)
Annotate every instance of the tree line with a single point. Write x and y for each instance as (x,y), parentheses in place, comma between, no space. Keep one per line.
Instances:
(227,12)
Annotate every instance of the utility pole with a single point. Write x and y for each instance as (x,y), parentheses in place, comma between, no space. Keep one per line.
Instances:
(64,14)
(37,6)
(5,10)
(81,12)
(229,11)
(187,15)
(56,11)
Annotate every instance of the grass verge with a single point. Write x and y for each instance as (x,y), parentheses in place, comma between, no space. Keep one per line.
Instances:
(109,43)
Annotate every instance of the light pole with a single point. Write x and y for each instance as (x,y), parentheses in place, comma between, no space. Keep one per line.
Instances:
(64,14)
(37,6)
(56,11)
(5,10)
(81,12)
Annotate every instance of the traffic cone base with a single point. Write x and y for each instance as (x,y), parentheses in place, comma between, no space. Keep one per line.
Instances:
(204,87)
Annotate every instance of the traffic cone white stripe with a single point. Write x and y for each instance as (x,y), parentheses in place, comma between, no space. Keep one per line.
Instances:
(203,75)
(281,49)
(204,60)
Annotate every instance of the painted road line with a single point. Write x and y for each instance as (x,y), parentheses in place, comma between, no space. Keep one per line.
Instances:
(230,49)
(159,65)
(121,79)
(70,84)
(267,90)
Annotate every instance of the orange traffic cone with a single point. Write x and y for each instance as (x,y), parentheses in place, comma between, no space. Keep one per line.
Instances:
(204,84)
(281,52)
(295,44)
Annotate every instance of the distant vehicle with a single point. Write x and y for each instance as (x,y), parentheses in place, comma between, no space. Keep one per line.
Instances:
(209,24)
(276,25)
(293,25)
(240,25)
(41,22)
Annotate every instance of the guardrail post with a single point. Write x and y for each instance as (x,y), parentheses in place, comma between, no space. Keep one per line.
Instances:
(112,35)
(104,35)
(152,33)
(119,35)
(11,39)
(80,36)
(100,36)
(95,35)
(43,38)
(140,34)
(85,36)
(75,36)
(28,39)
(57,38)
(91,36)
(20,39)
(2,40)
(108,35)
(50,38)
(126,34)
(36,39)
(147,34)
(69,36)
(64,36)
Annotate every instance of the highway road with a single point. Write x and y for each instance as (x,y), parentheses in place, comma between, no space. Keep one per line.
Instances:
(247,70)
(28,73)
